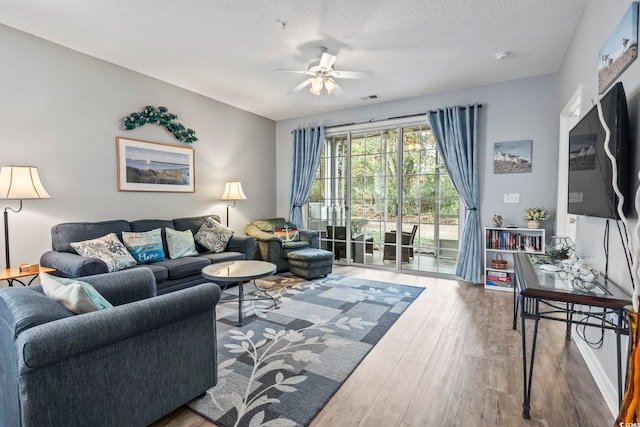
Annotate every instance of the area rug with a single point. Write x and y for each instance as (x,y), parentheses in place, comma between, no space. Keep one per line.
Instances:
(283,365)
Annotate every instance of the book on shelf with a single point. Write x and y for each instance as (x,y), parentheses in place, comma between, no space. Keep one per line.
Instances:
(498,283)
(498,278)
(497,273)
(512,241)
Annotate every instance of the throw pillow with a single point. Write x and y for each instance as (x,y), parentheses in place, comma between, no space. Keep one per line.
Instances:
(213,235)
(108,249)
(145,246)
(77,297)
(180,243)
(288,233)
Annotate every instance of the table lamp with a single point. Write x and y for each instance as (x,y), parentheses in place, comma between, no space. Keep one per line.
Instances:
(232,191)
(18,183)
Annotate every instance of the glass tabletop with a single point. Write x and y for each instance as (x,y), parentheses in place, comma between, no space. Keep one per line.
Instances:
(539,276)
(238,270)
(552,274)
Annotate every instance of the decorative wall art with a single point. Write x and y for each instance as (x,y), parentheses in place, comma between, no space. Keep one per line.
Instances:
(620,50)
(160,116)
(150,166)
(512,157)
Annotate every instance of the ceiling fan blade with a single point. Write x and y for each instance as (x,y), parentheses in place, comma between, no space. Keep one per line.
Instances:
(295,71)
(301,85)
(327,60)
(350,74)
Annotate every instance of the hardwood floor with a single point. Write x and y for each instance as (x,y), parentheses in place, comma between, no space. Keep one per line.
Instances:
(452,359)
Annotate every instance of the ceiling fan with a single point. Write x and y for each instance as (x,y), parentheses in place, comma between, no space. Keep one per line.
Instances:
(323,75)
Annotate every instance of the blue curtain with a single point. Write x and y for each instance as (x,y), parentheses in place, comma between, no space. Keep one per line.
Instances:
(307,144)
(456,133)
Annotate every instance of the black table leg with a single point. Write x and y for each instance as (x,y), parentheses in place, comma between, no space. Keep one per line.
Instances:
(619,329)
(240,302)
(567,336)
(528,376)
(516,301)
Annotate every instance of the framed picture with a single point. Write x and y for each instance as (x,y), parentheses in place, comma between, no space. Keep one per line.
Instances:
(512,157)
(151,166)
(620,50)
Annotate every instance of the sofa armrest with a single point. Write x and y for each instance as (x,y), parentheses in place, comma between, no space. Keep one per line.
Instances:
(311,236)
(122,287)
(261,236)
(243,244)
(72,265)
(63,339)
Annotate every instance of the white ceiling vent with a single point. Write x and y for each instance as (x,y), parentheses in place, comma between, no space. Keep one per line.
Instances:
(370,97)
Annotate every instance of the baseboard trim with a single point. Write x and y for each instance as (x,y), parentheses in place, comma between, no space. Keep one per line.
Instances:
(607,388)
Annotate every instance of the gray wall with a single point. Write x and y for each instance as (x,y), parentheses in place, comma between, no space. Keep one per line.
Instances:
(580,67)
(61,111)
(517,110)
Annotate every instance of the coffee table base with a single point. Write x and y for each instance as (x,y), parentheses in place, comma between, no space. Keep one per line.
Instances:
(241,299)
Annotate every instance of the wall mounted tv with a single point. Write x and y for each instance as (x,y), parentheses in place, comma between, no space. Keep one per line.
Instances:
(590,188)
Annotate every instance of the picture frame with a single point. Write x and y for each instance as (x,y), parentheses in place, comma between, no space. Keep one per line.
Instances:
(512,157)
(620,50)
(154,167)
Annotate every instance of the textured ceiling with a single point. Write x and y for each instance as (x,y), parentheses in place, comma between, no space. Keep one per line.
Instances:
(229,50)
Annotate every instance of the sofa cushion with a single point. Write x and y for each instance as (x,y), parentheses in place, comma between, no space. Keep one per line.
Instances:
(223,256)
(160,273)
(75,295)
(144,246)
(213,235)
(180,243)
(63,234)
(294,246)
(183,267)
(24,308)
(107,249)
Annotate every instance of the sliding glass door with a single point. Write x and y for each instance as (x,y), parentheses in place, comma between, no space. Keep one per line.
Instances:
(365,180)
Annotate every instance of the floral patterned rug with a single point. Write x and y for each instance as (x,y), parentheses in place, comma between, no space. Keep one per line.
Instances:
(283,365)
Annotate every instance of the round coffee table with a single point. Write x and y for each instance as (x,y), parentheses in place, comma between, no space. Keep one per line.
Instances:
(240,272)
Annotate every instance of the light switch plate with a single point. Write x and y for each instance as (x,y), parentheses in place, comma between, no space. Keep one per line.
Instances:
(512,197)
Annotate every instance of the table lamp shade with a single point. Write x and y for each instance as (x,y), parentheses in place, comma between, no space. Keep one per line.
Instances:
(21,183)
(233,191)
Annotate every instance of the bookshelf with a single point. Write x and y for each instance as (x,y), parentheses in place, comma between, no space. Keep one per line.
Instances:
(502,244)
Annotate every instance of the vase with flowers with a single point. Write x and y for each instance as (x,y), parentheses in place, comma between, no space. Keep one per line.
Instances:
(536,214)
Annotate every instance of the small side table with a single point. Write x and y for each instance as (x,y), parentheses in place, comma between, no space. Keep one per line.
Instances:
(14,275)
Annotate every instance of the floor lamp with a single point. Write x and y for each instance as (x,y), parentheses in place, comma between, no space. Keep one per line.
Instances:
(232,191)
(18,183)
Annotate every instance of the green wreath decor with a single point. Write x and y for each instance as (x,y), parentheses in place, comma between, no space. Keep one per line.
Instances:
(160,116)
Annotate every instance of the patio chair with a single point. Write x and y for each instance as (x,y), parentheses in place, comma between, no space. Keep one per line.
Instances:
(390,240)
(337,242)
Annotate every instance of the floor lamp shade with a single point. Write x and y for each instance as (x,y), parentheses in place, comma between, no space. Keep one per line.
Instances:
(232,191)
(19,183)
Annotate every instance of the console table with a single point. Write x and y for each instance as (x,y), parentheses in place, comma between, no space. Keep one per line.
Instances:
(547,295)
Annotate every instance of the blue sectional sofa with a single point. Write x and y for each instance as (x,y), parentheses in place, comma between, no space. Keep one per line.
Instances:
(124,366)
(170,274)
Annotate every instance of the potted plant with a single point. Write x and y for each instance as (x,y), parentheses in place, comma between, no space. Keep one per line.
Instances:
(536,214)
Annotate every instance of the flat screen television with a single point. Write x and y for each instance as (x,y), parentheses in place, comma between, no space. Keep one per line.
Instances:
(590,188)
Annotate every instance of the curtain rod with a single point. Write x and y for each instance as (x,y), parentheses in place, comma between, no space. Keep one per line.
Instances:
(381,120)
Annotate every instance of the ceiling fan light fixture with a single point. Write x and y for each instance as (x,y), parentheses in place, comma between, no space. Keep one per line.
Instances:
(315,91)
(330,85)
(317,83)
